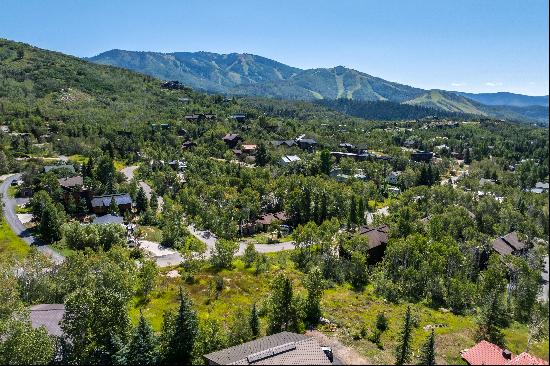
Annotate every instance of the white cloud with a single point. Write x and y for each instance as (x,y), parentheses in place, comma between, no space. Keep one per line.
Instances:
(493,83)
(458,84)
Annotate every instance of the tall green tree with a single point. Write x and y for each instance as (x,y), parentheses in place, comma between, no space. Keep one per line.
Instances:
(254,321)
(325,162)
(314,284)
(427,354)
(53,217)
(141,200)
(182,333)
(281,315)
(142,348)
(492,314)
(403,350)
(262,157)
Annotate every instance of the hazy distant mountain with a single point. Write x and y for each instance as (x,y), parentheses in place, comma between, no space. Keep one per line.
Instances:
(245,74)
(509,99)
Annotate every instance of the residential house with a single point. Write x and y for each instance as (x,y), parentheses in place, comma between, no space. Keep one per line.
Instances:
(422,156)
(509,244)
(178,165)
(393,178)
(188,145)
(486,353)
(289,159)
(100,204)
(347,146)
(195,117)
(356,156)
(284,143)
(540,187)
(307,144)
(48,316)
(239,117)
(378,240)
(108,219)
(172,84)
(231,139)
(283,348)
(74,187)
(248,149)
(49,168)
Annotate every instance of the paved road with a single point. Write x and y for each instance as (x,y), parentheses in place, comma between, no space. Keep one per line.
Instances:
(260,248)
(381,211)
(129,173)
(9,205)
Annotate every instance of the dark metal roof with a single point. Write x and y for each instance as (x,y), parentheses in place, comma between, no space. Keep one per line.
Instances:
(230,137)
(283,348)
(49,316)
(120,199)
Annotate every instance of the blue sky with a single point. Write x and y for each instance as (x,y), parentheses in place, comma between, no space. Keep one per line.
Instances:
(467,45)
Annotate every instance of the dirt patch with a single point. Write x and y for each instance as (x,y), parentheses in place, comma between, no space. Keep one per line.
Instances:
(347,355)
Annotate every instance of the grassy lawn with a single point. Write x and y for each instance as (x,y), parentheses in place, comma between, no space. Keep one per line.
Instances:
(23,209)
(350,310)
(12,191)
(79,159)
(151,233)
(62,248)
(11,244)
(119,164)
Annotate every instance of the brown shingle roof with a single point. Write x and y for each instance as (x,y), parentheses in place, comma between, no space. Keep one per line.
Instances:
(377,236)
(283,348)
(508,244)
(71,182)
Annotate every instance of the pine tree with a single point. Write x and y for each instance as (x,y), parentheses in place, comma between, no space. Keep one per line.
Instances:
(325,162)
(427,355)
(261,155)
(254,321)
(183,332)
(361,211)
(403,350)
(113,207)
(352,220)
(141,200)
(154,202)
(142,348)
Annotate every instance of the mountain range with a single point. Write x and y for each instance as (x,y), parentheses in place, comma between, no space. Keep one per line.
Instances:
(252,75)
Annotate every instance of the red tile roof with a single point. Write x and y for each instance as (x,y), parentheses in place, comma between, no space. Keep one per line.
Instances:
(486,353)
(527,359)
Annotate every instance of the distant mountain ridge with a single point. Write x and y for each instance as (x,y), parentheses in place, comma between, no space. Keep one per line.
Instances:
(509,99)
(252,75)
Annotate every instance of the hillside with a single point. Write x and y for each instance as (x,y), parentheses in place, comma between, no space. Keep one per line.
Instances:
(251,75)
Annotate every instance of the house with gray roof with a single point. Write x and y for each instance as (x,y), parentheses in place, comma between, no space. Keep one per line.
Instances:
(49,168)
(283,348)
(108,219)
(100,204)
(49,316)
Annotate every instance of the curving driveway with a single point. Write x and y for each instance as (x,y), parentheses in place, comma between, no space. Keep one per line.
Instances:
(9,205)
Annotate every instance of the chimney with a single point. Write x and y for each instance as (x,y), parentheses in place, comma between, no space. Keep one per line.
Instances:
(507,354)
